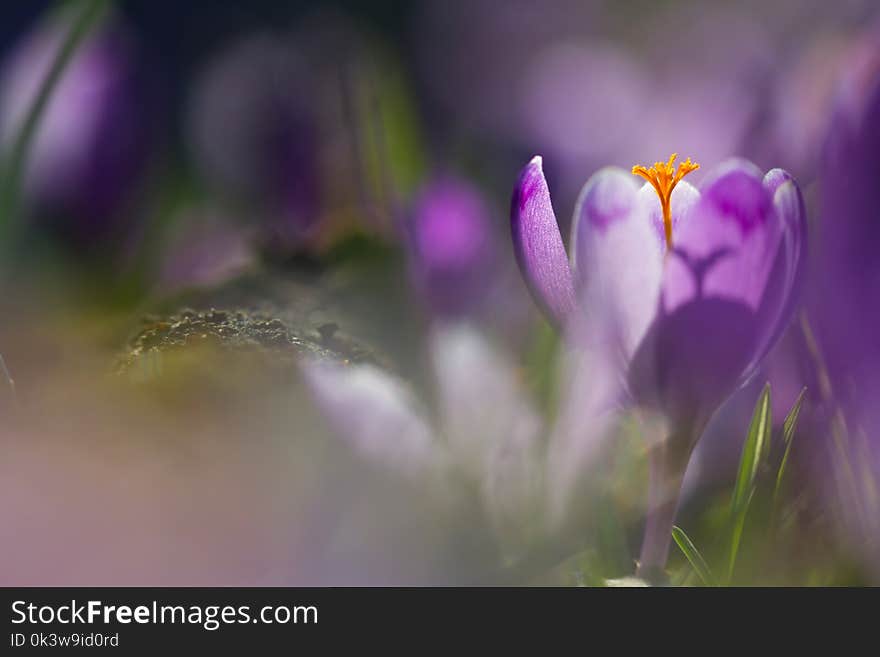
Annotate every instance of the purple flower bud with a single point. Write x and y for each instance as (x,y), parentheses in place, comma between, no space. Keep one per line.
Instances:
(90,150)
(253,133)
(538,245)
(452,260)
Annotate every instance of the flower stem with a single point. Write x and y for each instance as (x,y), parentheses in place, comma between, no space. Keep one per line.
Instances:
(667,462)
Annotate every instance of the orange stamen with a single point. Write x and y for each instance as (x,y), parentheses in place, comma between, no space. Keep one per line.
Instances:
(663,177)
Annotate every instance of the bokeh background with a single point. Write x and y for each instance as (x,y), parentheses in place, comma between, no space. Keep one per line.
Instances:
(215,192)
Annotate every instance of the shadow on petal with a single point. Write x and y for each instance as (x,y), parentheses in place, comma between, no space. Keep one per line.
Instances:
(692,358)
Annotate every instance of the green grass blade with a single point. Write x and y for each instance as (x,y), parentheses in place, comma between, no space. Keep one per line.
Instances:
(692,554)
(754,449)
(790,423)
(92,12)
(7,377)
(788,428)
(736,538)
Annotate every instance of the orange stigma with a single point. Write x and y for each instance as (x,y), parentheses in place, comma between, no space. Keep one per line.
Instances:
(663,177)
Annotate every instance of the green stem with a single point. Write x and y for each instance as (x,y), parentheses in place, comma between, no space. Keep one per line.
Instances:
(668,461)
(10,185)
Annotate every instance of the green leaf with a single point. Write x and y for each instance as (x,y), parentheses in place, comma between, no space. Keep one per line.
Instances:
(788,428)
(755,447)
(754,450)
(692,554)
(736,537)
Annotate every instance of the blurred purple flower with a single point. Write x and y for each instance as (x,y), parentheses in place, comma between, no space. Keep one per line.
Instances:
(849,231)
(688,292)
(452,257)
(207,250)
(486,433)
(692,76)
(486,428)
(842,304)
(798,113)
(253,132)
(91,147)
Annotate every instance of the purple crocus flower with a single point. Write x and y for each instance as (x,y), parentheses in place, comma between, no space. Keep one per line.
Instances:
(848,231)
(253,131)
(842,306)
(496,452)
(452,260)
(687,290)
(484,432)
(536,78)
(89,154)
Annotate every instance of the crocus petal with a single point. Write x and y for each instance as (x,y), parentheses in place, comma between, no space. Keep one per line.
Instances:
(376,415)
(618,261)
(693,358)
(789,203)
(684,196)
(538,245)
(483,405)
(727,244)
(492,428)
(843,310)
(712,321)
(782,297)
(607,198)
(589,410)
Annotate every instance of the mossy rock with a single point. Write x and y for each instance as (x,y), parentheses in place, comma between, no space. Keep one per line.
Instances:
(267,319)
